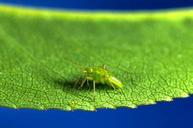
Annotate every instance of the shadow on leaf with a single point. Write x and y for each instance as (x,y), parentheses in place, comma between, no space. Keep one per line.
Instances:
(75,85)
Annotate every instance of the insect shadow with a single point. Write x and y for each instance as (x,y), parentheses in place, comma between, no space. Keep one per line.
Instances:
(75,84)
(56,81)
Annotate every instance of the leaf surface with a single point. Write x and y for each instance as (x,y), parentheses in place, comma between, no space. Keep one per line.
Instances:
(42,54)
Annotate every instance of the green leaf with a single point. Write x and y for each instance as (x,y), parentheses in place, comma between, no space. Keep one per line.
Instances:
(42,54)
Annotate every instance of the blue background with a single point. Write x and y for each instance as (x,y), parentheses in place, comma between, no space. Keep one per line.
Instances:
(105,4)
(178,113)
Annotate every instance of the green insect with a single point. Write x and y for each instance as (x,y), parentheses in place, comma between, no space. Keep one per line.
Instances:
(100,75)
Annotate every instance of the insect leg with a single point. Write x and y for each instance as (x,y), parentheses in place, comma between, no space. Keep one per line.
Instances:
(76,83)
(111,85)
(108,82)
(87,83)
(82,83)
(94,89)
(94,86)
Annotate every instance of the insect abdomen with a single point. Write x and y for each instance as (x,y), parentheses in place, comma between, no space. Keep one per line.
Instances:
(114,82)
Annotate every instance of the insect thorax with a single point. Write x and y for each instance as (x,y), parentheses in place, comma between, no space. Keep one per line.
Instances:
(98,74)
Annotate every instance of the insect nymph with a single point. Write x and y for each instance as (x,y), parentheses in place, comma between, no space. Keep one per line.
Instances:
(100,75)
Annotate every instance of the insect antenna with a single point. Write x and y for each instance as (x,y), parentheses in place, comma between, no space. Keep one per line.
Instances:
(74,63)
